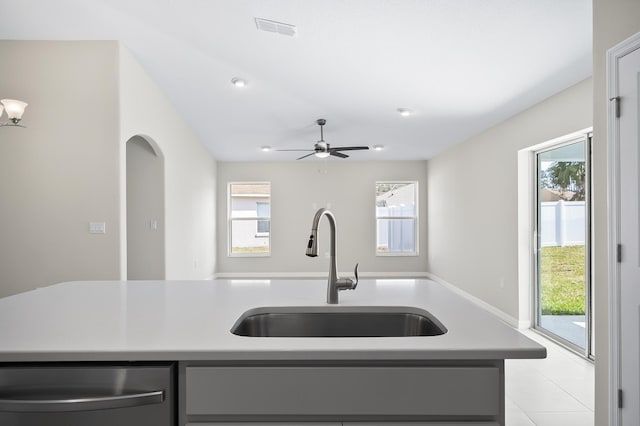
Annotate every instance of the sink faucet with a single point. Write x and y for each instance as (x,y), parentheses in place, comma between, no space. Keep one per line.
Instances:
(334,283)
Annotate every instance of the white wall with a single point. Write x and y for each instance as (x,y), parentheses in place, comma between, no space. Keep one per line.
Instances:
(190,173)
(473,199)
(61,172)
(613,22)
(67,168)
(298,189)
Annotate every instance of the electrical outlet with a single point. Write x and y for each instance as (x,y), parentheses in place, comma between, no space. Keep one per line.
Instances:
(97,228)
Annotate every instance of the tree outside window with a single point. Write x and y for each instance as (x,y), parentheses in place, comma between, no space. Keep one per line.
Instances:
(566,177)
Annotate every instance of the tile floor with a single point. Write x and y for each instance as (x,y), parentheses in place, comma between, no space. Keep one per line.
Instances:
(556,391)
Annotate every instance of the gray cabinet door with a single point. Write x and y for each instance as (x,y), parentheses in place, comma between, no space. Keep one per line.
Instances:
(344,391)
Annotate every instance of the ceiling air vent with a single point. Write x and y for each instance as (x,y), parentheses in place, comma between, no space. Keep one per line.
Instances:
(276,27)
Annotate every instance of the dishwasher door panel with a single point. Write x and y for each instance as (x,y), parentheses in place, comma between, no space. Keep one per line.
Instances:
(80,395)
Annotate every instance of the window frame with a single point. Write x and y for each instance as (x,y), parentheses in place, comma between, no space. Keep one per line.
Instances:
(257,219)
(585,137)
(262,234)
(415,218)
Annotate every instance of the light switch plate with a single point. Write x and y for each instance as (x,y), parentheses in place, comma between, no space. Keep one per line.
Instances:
(97,228)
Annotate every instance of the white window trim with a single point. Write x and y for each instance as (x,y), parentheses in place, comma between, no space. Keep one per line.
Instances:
(263,218)
(230,220)
(416,252)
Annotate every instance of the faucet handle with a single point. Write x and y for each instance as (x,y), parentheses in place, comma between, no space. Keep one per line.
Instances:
(355,272)
(348,283)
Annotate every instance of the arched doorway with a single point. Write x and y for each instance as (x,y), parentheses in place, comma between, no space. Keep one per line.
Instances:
(145,210)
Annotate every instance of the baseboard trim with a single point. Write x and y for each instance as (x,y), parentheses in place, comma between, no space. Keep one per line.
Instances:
(513,322)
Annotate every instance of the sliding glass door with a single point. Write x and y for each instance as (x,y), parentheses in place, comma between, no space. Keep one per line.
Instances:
(563,290)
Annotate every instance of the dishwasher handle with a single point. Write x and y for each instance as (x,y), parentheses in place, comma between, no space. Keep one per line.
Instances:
(88,403)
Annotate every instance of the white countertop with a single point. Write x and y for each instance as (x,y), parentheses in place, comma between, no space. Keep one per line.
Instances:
(191,320)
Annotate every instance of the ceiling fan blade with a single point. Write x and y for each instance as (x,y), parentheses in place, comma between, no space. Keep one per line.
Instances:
(348,148)
(338,154)
(322,148)
(305,156)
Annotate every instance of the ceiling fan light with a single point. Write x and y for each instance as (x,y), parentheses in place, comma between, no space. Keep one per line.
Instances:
(265,148)
(322,154)
(404,112)
(238,82)
(378,147)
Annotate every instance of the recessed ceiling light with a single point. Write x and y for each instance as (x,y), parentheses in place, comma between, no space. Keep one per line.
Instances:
(265,148)
(378,147)
(238,82)
(404,112)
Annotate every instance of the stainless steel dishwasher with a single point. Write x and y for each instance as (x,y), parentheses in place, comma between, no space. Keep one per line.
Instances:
(88,394)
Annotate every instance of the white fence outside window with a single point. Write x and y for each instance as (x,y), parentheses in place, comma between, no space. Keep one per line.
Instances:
(562,223)
(396,218)
(397,235)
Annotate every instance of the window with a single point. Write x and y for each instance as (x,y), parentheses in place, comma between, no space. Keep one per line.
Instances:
(264,210)
(397,218)
(249,219)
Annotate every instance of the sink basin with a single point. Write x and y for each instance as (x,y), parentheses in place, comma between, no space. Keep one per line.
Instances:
(337,321)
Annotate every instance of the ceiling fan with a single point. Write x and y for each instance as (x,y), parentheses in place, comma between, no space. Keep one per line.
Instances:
(322,149)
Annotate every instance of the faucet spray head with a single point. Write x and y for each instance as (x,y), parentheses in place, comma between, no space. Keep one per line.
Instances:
(312,246)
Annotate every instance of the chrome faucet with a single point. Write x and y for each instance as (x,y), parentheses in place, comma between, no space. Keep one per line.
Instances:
(334,283)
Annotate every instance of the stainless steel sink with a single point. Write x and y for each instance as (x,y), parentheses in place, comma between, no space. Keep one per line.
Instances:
(337,321)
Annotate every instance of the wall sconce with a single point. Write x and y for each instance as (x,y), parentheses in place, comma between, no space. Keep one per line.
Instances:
(14,109)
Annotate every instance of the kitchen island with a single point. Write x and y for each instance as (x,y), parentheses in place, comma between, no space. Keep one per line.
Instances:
(455,379)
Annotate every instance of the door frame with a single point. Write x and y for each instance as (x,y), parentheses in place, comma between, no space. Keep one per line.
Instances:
(614,55)
(155,152)
(585,137)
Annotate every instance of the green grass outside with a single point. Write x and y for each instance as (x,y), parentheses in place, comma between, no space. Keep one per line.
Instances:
(244,250)
(562,280)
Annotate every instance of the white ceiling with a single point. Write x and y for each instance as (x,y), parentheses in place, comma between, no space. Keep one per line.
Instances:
(460,65)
